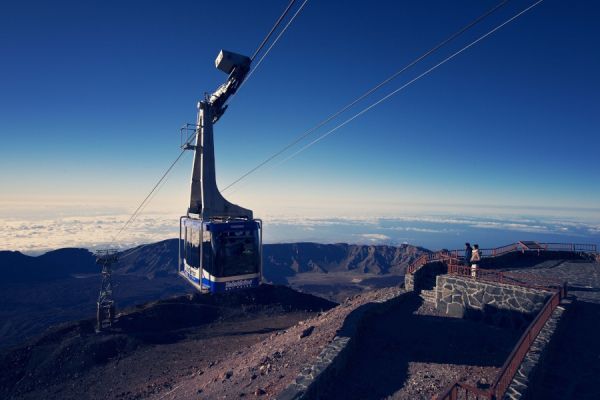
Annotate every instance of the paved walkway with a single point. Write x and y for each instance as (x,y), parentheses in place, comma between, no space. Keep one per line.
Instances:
(572,368)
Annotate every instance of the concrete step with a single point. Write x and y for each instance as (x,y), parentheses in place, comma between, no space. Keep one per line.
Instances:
(428,296)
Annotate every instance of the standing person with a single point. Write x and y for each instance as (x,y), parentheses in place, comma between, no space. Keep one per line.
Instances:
(475,258)
(468,253)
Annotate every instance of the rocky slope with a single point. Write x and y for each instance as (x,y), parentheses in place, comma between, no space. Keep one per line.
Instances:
(150,347)
(62,285)
(289,259)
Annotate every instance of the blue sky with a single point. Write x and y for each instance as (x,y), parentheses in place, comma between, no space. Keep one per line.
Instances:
(92,95)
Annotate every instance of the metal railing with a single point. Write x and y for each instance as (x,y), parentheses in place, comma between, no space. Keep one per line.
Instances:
(459,254)
(574,247)
(511,366)
(442,255)
(498,251)
(418,263)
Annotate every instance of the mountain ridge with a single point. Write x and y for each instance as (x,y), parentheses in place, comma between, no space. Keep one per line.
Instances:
(62,285)
(159,259)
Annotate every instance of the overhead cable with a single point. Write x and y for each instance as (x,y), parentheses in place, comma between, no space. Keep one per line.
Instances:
(154,190)
(281,17)
(368,92)
(137,210)
(410,82)
(272,44)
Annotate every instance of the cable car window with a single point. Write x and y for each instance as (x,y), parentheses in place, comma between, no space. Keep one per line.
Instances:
(194,260)
(207,253)
(237,253)
(188,235)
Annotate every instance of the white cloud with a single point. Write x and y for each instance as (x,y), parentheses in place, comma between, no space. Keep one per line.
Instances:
(511,226)
(35,235)
(416,229)
(87,231)
(375,237)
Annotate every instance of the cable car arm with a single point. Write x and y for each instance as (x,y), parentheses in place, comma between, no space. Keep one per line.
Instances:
(237,66)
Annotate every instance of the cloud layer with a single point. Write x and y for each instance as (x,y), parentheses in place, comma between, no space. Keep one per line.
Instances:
(432,231)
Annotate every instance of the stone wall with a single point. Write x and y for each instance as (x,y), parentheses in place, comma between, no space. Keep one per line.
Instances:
(334,357)
(498,304)
(409,282)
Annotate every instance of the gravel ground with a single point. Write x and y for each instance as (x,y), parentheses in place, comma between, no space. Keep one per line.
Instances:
(266,368)
(152,347)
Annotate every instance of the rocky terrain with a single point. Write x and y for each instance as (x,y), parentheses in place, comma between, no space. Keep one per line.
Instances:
(62,285)
(264,369)
(152,347)
(254,343)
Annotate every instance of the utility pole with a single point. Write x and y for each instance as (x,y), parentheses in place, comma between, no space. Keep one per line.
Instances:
(105,313)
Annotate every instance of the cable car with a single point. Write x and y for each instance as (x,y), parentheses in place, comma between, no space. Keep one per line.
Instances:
(220,246)
(219,256)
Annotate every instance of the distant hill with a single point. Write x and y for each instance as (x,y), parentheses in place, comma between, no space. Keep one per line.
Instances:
(288,259)
(56,264)
(62,285)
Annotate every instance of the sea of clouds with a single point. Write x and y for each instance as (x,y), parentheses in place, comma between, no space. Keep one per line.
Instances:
(37,235)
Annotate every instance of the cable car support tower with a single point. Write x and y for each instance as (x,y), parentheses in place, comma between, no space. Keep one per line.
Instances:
(105,313)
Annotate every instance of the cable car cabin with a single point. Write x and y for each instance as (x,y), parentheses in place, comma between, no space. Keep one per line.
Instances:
(218,256)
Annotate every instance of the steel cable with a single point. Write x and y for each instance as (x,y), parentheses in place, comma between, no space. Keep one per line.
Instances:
(281,17)
(367,93)
(271,46)
(410,82)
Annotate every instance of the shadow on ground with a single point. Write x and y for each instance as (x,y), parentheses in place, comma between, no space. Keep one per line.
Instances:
(545,259)
(387,343)
(572,367)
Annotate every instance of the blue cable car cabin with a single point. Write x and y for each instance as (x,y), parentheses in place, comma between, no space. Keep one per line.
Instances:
(218,256)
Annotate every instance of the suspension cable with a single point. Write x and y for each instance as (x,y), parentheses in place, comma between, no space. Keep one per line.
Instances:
(367,93)
(137,210)
(410,82)
(287,9)
(154,190)
(272,45)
